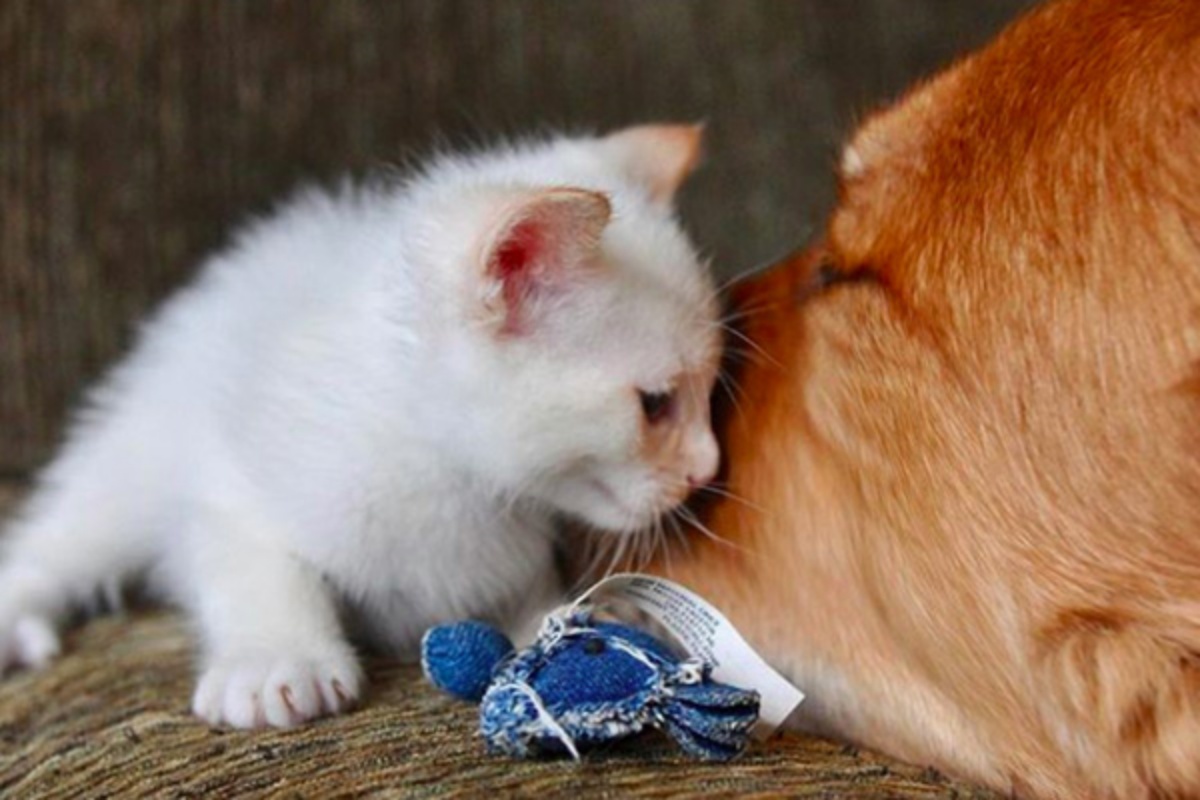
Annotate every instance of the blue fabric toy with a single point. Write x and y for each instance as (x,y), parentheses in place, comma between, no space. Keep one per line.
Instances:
(584,682)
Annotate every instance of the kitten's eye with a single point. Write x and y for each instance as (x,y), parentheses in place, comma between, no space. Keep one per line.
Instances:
(657,406)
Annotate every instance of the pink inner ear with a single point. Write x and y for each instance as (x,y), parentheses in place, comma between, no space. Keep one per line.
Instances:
(518,251)
(513,265)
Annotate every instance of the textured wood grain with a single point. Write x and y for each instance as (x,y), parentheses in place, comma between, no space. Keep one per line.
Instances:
(134,133)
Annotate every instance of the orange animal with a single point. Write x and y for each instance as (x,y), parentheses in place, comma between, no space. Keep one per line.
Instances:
(970,449)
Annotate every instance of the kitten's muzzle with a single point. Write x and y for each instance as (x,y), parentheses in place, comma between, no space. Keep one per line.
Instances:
(703,459)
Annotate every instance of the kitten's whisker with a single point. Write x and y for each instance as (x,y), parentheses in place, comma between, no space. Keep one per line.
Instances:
(628,552)
(739,355)
(728,283)
(744,313)
(746,274)
(660,545)
(599,545)
(659,539)
(588,559)
(613,555)
(691,519)
(679,534)
(731,390)
(751,310)
(618,553)
(743,337)
(774,260)
(733,381)
(718,290)
(719,492)
(603,545)
(638,556)
(656,543)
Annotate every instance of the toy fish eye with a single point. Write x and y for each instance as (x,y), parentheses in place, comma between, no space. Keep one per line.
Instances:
(593,647)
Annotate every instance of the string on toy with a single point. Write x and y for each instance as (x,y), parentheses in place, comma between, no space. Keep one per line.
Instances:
(545,718)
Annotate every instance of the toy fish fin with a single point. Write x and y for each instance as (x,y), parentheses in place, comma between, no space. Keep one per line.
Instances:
(726,722)
(716,696)
(697,745)
(726,728)
(710,721)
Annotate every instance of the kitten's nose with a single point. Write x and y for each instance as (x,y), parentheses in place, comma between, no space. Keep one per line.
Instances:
(705,458)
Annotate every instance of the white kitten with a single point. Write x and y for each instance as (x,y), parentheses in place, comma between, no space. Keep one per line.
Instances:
(375,402)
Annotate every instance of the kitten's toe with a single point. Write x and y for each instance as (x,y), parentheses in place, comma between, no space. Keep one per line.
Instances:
(230,693)
(341,687)
(291,696)
(208,699)
(33,642)
(280,693)
(37,641)
(242,704)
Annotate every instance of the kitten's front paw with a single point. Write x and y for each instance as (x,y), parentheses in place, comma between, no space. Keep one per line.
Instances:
(31,642)
(279,691)
(29,636)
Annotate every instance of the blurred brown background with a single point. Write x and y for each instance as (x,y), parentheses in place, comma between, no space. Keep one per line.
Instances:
(134,133)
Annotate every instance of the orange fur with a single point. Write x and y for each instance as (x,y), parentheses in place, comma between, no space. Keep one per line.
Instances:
(972,475)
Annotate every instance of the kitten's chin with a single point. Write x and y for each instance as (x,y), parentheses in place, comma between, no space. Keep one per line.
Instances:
(610,518)
(614,522)
(598,505)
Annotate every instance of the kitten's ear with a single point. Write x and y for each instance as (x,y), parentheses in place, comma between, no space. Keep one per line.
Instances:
(541,243)
(659,157)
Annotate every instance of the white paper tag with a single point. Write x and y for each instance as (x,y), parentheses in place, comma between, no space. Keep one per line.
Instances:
(704,632)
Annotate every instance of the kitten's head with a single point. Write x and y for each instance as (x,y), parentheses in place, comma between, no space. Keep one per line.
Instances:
(581,340)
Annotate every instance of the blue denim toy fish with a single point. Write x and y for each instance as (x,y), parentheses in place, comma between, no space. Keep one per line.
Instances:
(584,682)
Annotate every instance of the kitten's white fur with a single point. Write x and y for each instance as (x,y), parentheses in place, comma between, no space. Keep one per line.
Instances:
(331,419)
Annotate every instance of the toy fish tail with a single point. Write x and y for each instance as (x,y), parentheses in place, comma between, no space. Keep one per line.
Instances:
(711,721)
